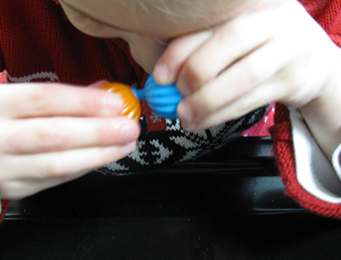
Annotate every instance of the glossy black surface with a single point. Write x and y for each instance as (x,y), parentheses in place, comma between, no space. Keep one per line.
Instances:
(239,178)
(229,205)
(275,237)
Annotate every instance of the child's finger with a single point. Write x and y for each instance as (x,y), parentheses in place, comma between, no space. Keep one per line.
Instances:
(61,164)
(170,63)
(47,99)
(236,81)
(40,135)
(232,41)
(98,84)
(262,95)
(18,189)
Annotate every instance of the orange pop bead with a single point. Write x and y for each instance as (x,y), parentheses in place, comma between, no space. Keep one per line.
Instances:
(132,107)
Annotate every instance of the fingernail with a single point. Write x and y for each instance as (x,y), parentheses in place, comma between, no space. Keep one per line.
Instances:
(127,133)
(188,126)
(186,114)
(184,111)
(183,87)
(130,147)
(161,74)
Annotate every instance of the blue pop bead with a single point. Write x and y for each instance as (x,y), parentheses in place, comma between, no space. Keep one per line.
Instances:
(162,99)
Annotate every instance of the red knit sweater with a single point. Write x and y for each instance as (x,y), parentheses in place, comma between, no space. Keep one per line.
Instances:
(38,44)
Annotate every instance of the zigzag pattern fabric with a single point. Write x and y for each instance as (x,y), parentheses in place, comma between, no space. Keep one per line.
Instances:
(174,144)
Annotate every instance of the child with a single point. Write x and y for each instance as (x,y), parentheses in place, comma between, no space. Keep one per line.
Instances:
(221,54)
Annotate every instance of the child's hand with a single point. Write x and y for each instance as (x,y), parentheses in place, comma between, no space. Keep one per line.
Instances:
(272,52)
(52,133)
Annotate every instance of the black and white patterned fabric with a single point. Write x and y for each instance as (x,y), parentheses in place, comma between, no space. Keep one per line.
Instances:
(174,145)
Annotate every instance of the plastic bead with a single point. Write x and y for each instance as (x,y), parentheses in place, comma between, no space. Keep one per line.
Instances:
(162,99)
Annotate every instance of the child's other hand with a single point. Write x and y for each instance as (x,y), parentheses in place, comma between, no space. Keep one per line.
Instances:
(53,133)
(272,52)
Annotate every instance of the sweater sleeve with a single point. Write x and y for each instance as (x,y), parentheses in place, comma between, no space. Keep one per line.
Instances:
(314,171)
(309,191)
(308,176)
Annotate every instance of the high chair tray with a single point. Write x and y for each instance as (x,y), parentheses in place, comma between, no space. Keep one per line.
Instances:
(229,205)
(239,178)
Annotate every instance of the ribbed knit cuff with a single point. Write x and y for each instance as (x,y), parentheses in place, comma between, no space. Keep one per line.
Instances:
(284,152)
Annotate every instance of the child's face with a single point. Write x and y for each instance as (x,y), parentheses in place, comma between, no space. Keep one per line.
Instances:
(147,32)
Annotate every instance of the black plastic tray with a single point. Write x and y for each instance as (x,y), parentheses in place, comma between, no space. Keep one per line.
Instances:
(230,205)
